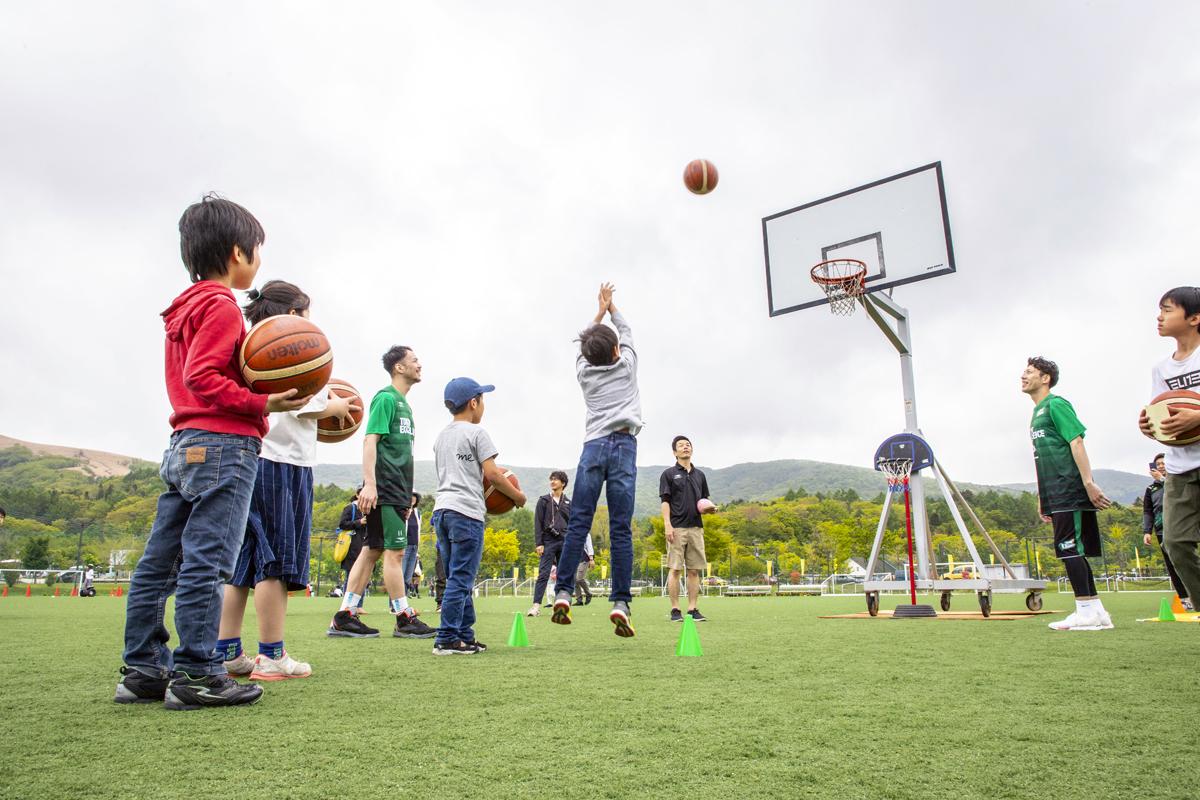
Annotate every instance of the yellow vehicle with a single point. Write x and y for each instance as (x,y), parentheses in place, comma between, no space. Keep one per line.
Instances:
(963,573)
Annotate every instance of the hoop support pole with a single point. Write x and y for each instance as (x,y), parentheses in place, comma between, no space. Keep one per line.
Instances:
(887,505)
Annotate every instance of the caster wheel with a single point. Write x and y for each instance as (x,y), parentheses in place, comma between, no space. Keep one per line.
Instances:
(985,603)
(873,603)
(1033,601)
(945,601)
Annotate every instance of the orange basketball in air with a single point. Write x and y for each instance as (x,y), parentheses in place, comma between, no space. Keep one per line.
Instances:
(700,176)
(286,352)
(498,503)
(331,429)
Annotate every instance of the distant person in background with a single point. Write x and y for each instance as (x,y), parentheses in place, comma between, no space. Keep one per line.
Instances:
(681,488)
(89,583)
(1152,523)
(355,522)
(583,592)
(549,529)
(3,514)
(414,537)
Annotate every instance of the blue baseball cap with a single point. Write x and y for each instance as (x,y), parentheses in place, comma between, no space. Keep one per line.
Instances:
(460,390)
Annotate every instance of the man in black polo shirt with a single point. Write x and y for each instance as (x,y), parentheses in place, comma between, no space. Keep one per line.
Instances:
(681,488)
(549,527)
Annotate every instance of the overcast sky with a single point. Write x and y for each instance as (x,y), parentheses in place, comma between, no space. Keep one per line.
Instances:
(459,177)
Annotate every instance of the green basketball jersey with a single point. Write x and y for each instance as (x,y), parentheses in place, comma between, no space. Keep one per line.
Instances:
(1060,486)
(391,417)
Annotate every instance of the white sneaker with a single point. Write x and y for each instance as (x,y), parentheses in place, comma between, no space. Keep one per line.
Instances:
(1187,604)
(241,666)
(534,611)
(1093,621)
(1064,624)
(278,669)
(1106,622)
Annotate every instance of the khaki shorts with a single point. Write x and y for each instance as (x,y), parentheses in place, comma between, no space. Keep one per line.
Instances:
(687,551)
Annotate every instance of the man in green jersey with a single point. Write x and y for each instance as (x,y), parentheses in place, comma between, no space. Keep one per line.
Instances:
(386,500)
(1067,495)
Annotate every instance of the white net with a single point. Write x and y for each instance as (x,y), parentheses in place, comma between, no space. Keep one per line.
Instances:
(843,283)
(897,471)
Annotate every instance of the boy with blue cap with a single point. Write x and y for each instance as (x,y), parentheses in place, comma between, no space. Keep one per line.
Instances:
(463,455)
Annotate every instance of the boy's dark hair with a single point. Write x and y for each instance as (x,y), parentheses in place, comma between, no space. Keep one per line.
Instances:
(274,298)
(459,409)
(1046,367)
(1186,297)
(597,343)
(560,475)
(394,356)
(1156,459)
(416,498)
(677,440)
(208,232)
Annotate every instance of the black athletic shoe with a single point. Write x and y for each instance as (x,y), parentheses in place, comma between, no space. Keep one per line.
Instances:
(578,601)
(562,609)
(349,625)
(409,627)
(619,616)
(209,691)
(696,615)
(137,687)
(587,600)
(454,649)
(439,608)
(479,646)
(676,615)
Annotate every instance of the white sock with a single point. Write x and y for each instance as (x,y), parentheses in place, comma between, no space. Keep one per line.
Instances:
(350,602)
(399,605)
(1081,606)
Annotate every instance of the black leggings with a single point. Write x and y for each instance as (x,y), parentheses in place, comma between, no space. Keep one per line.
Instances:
(1079,572)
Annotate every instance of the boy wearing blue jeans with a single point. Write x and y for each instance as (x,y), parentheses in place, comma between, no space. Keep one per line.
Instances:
(463,455)
(607,372)
(209,469)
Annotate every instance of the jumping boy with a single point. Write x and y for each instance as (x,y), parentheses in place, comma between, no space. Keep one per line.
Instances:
(1179,319)
(607,372)
(1152,523)
(209,468)
(1067,495)
(464,456)
(386,500)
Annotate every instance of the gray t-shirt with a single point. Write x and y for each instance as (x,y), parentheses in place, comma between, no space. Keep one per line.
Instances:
(459,453)
(611,392)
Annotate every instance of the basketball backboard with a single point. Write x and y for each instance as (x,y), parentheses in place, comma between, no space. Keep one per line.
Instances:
(898,227)
(906,446)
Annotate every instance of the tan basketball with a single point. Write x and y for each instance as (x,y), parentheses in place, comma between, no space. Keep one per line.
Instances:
(1166,405)
(286,352)
(498,503)
(700,176)
(331,429)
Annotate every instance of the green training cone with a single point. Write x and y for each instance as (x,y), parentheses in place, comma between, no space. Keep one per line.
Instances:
(689,639)
(517,637)
(1165,614)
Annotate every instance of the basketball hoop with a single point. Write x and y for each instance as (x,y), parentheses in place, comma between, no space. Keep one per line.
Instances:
(897,471)
(843,280)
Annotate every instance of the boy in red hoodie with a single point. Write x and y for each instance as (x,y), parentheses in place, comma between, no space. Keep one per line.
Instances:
(209,468)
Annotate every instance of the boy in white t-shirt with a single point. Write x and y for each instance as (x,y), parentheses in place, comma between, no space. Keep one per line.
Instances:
(1179,319)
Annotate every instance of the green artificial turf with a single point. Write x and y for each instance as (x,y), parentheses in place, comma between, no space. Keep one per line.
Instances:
(782,704)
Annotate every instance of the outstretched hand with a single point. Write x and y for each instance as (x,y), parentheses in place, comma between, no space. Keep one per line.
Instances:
(606,296)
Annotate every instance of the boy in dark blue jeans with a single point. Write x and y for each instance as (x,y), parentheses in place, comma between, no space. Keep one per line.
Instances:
(209,468)
(463,455)
(607,371)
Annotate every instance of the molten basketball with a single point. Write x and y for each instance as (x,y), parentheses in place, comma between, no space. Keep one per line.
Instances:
(705,506)
(700,176)
(498,503)
(286,352)
(1165,405)
(332,429)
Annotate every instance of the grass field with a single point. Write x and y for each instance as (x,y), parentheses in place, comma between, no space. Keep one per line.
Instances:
(781,705)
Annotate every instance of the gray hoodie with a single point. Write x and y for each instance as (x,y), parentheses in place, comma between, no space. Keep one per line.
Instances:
(611,392)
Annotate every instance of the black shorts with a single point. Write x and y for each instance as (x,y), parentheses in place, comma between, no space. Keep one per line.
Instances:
(1076,533)
(387,528)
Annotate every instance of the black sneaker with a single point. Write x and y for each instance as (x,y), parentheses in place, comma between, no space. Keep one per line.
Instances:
(138,687)
(479,646)
(458,648)
(676,615)
(587,600)
(209,691)
(438,609)
(619,616)
(409,627)
(696,615)
(562,609)
(578,601)
(349,625)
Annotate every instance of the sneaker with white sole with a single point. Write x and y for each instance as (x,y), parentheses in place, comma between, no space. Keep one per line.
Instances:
(1089,621)
(533,611)
(1064,624)
(458,648)
(279,669)
(619,617)
(562,609)
(241,666)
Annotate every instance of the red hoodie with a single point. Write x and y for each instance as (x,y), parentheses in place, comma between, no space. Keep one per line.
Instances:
(204,382)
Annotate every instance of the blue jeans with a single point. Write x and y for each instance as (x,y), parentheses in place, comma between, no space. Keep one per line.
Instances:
(460,543)
(197,533)
(409,565)
(610,460)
